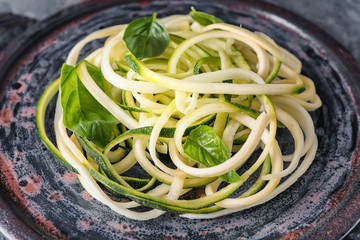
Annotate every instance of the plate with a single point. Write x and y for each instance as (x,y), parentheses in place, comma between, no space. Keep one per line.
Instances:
(41,198)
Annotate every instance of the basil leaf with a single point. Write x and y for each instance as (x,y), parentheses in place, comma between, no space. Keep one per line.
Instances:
(204,19)
(205,147)
(146,37)
(82,113)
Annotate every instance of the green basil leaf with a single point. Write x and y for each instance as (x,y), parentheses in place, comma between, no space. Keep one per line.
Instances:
(205,147)
(204,19)
(146,37)
(82,113)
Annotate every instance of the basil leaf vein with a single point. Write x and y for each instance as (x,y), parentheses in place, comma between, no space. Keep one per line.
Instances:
(146,37)
(82,113)
(205,147)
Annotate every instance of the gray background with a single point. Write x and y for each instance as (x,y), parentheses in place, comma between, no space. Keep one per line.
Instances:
(339,18)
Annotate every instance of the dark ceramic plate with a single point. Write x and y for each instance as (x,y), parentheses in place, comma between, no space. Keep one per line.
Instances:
(41,198)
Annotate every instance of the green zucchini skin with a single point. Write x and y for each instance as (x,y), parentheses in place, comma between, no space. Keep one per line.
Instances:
(220,76)
(42,105)
(175,206)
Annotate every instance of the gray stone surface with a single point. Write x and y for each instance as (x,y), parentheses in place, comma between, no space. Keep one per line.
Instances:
(37,9)
(4,7)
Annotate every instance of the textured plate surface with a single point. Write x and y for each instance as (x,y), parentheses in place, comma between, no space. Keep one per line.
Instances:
(46,199)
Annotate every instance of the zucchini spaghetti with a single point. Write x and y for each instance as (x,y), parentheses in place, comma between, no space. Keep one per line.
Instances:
(189,102)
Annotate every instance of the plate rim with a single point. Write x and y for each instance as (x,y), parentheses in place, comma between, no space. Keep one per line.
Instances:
(39,29)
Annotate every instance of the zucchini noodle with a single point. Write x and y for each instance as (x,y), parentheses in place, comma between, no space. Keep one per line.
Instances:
(238,83)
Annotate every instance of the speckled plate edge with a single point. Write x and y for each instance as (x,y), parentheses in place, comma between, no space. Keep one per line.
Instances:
(347,210)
